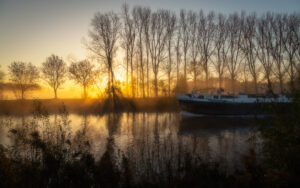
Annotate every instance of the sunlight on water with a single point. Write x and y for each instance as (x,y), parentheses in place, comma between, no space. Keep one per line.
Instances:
(158,136)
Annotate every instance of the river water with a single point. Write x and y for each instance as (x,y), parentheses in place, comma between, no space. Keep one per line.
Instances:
(158,138)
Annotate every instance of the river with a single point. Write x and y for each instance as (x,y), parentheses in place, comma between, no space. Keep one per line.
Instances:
(156,138)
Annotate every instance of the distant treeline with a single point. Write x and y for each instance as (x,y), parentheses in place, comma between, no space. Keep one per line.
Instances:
(167,53)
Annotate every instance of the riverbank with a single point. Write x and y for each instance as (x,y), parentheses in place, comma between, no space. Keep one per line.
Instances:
(89,106)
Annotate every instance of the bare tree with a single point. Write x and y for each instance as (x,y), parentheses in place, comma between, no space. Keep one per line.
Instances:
(171,26)
(184,31)
(234,54)
(146,23)
(292,24)
(178,51)
(157,43)
(82,72)
(249,48)
(24,76)
(206,31)
(139,18)
(54,71)
(194,46)
(129,36)
(266,50)
(221,39)
(104,35)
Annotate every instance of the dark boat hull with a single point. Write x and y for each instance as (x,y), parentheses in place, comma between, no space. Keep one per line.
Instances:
(219,108)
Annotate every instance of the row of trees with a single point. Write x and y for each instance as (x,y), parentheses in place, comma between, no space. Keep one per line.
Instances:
(54,71)
(177,52)
(162,45)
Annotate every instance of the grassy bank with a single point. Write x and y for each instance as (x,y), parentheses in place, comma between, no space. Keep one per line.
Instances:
(91,106)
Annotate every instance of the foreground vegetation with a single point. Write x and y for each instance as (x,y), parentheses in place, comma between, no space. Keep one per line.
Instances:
(45,154)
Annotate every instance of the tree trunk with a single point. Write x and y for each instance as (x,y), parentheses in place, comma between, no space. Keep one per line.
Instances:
(185,67)
(132,81)
(55,93)
(127,91)
(169,83)
(84,92)
(155,84)
(255,85)
(148,88)
(232,84)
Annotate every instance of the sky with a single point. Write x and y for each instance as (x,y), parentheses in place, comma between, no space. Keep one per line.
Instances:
(31,30)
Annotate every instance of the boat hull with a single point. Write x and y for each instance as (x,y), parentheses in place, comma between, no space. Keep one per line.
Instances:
(219,108)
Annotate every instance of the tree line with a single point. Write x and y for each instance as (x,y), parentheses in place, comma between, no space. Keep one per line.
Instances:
(167,53)
(54,71)
(173,50)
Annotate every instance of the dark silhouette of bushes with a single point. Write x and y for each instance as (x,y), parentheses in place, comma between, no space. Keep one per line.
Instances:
(46,154)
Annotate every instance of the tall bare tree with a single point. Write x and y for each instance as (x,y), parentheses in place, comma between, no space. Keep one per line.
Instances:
(139,18)
(146,23)
(220,42)
(129,37)
(170,27)
(206,31)
(234,54)
(157,43)
(104,36)
(24,76)
(292,24)
(194,46)
(184,31)
(54,71)
(178,50)
(249,48)
(83,73)
(266,50)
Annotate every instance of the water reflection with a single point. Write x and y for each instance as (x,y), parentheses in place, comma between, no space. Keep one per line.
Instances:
(156,142)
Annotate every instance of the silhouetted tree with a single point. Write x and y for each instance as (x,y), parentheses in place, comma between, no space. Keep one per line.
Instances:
(83,73)
(185,38)
(249,48)
(234,54)
(128,43)
(206,31)
(178,51)
(54,71)
(291,42)
(24,76)
(104,36)
(263,51)
(195,68)
(157,47)
(146,25)
(139,18)
(221,51)
(171,26)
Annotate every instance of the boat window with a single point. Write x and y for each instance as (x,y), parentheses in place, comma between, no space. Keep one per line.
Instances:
(189,95)
(216,97)
(200,97)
